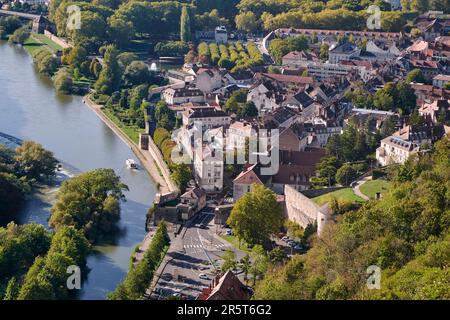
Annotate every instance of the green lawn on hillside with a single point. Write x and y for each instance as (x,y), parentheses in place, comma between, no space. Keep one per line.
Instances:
(370,188)
(37,41)
(131,131)
(345,194)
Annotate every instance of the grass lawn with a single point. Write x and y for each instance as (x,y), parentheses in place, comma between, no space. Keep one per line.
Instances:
(37,41)
(370,188)
(31,45)
(131,131)
(51,44)
(345,194)
(235,243)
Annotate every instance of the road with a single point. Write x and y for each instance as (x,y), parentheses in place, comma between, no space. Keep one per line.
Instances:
(196,251)
(357,184)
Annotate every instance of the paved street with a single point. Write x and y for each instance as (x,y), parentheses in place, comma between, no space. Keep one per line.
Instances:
(195,251)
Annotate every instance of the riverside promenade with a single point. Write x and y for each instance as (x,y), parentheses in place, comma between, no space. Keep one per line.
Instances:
(151,159)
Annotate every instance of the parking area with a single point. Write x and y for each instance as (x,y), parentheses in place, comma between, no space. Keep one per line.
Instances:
(195,258)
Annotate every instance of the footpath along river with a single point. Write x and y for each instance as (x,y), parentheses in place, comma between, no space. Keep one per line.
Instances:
(30,109)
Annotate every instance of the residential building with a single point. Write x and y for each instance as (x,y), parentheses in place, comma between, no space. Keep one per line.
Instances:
(208,80)
(345,51)
(266,96)
(191,202)
(321,71)
(179,76)
(409,140)
(298,59)
(241,77)
(323,35)
(244,181)
(238,133)
(208,167)
(226,287)
(436,111)
(441,80)
(286,81)
(296,169)
(183,95)
(209,117)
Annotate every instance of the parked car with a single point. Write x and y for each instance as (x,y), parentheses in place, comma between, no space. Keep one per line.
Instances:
(176,295)
(298,247)
(203,276)
(229,232)
(285,239)
(202,226)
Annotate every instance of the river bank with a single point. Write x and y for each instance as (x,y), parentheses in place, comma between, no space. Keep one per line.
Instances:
(150,159)
(31,109)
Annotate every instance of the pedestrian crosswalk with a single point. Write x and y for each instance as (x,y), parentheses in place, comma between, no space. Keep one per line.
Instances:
(187,246)
(194,246)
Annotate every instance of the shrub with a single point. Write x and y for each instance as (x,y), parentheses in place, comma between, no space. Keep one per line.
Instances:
(160,135)
(171,48)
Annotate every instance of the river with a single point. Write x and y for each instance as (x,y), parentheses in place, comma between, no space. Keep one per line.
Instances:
(31,109)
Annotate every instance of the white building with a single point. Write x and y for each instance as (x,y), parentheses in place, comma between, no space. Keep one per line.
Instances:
(209,117)
(238,133)
(208,162)
(264,98)
(405,142)
(395,150)
(221,34)
(208,80)
(183,95)
(327,70)
(345,51)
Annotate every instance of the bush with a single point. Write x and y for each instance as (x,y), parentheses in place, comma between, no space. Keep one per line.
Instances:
(166,149)
(63,81)
(171,48)
(20,35)
(377,173)
(160,135)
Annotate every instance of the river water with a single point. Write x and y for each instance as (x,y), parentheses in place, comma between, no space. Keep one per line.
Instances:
(31,109)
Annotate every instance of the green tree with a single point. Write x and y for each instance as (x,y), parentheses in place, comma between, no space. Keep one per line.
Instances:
(229,262)
(20,35)
(181,175)
(109,78)
(415,75)
(185,25)
(63,81)
(346,174)
(120,30)
(256,216)
(137,73)
(247,21)
(327,168)
(89,202)
(246,265)
(136,282)
(34,161)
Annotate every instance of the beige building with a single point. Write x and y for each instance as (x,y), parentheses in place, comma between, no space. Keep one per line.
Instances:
(183,95)
(395,150)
